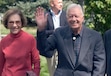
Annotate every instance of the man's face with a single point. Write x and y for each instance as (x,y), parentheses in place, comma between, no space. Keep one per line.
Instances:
(75,18)
(57,4)
(14,23)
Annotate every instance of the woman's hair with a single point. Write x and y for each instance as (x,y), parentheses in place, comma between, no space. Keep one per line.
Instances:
(11,12)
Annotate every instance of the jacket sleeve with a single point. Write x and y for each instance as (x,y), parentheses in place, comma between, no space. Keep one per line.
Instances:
(45,45)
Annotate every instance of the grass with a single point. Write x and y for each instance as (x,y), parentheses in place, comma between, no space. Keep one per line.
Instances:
(31,30)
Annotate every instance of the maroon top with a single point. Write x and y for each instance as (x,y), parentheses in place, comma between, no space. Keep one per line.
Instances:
(17,55)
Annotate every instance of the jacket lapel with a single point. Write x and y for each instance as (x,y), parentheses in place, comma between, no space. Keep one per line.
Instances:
(85,44)
(69,46)
(50,20)
(62,19)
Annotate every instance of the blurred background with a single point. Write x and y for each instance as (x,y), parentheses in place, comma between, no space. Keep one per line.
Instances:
(97,16)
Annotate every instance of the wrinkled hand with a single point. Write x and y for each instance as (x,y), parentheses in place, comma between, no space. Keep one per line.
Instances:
(41,18)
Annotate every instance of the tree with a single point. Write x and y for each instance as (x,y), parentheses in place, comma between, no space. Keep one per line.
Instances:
(98,14)
(29,8)
(81,2)
(4,3)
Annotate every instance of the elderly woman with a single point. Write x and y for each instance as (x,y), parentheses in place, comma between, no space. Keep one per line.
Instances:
(18,49)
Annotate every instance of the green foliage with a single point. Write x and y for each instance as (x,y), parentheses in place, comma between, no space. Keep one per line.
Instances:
(4,3)
(29,8)
(98,13)
(66,3)
(44,67)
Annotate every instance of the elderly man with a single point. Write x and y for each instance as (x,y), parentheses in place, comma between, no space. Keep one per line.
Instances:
(80,50)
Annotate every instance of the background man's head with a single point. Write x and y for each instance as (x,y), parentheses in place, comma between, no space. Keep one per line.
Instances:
(56,4)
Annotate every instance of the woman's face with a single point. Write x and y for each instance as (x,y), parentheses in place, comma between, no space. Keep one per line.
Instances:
(14,23)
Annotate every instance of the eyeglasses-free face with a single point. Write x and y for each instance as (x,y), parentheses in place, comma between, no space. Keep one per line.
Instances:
(75,18)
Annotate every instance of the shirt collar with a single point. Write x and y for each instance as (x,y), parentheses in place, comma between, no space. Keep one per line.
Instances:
(80,34)
(53,14)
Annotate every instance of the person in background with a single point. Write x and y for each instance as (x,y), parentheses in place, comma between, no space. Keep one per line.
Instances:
(56,18)
(18,53)
(107,43)
(80,49)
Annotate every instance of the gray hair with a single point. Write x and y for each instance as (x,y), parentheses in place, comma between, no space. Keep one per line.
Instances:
(74,5)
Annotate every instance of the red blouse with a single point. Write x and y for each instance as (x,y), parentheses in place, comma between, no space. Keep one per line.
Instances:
(18,54)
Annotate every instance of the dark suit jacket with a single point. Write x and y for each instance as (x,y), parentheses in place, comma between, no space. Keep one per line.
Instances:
(107,42)
(50,25)
(91,60)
